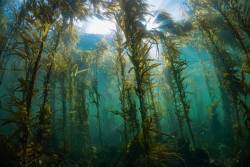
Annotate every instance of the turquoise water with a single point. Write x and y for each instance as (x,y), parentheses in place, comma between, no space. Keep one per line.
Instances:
(127,83)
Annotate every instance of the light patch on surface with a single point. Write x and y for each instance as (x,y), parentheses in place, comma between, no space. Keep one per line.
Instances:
(178,12)
(105,27)
(150,22)
(96,26)
(173,7)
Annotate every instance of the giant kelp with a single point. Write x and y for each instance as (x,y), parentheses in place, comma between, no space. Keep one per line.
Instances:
(130,100)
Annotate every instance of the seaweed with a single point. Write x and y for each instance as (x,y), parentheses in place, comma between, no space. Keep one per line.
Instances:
(163,89)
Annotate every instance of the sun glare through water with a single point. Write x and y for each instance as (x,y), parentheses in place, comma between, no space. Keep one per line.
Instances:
(95,25)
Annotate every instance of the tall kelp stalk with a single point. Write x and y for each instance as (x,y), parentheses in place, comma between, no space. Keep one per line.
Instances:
(9,24)
(120,67)
(64,106)
(128,106)
(34,21)
(50,84)
(237,17)
(53,100)
(79,117)
(213,110)
(237,24)
(131,110)
(59,102)
(132,12)
(72,102)
(226,65)
(45,113)
(62,73)
(62,64)
(68,44)
(47,62)
(177,107)
(82,109)
(228,81)
(155,115)
(234,18)
(73,116)
(207,76)
(94,93)
(226,10)
(4,40)
(176,66)
(33,35)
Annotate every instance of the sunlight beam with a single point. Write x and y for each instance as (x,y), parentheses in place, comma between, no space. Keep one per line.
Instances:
(96,26)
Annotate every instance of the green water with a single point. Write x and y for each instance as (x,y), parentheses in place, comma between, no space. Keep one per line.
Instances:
(168,86)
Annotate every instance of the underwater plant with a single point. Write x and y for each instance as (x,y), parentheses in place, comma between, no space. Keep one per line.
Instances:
(124,83)
(177,66)
(138,55)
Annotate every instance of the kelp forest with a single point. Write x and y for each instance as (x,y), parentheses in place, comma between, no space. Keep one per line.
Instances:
(165,87)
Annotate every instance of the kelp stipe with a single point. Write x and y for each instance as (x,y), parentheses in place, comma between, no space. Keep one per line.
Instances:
(124,83)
